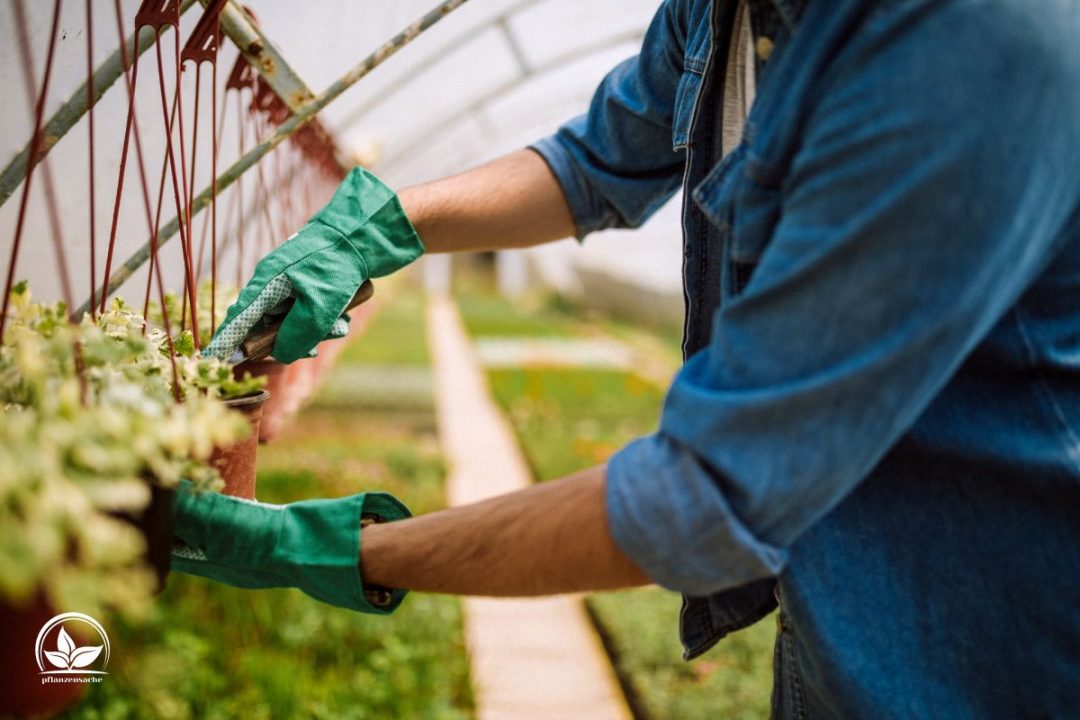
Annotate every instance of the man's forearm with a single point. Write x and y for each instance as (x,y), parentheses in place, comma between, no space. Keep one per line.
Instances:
(548,539)
(512,202)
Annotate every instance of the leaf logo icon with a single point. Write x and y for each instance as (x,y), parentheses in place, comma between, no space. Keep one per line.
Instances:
(67,656)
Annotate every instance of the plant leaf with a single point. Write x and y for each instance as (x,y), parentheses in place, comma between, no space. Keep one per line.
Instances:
(58,659)
(64,643)
(85,655)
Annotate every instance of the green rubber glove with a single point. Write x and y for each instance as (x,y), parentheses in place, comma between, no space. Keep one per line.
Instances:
(312,545)
(362,233)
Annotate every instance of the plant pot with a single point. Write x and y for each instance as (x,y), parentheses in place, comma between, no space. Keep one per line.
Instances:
(21,691)
(275,411)
(236,463)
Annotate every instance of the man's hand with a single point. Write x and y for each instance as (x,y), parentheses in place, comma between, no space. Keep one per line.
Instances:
(548,539)
(362,233)
(312,545)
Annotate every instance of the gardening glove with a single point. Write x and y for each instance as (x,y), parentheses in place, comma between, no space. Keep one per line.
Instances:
(312,545)
(362,233)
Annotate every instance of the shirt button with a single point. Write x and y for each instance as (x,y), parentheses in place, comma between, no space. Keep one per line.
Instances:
(763,47)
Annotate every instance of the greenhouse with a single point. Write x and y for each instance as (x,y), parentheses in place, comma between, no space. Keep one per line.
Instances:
(651,360)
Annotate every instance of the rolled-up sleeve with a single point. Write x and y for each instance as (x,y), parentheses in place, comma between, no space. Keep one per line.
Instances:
(906,232)
(616,164)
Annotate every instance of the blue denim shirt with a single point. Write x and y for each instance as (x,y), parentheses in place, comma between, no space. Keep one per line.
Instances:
(880,408)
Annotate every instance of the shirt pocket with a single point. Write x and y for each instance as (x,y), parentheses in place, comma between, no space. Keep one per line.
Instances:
(686,95)
(745,210)
(688,90)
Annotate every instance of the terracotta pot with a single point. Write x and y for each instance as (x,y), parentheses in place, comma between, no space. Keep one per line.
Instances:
(21,691)
(236,463)
(275,412)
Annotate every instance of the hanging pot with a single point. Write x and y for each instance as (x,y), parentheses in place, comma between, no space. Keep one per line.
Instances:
(22,692)
(236,462)
(275,411)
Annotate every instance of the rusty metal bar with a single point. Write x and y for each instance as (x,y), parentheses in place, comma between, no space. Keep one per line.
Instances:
(72,111)
(264,57)
(287,128)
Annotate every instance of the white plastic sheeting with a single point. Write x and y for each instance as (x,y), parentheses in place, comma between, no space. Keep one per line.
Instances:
(490,78)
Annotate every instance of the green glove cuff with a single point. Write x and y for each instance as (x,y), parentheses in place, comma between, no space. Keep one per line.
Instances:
(369,215)
(312,545)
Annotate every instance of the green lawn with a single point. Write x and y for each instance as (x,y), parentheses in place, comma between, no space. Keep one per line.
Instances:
(396,335)
(569,419)
(487,313)
(210,651)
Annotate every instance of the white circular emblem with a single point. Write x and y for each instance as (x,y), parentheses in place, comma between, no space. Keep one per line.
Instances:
(57,653)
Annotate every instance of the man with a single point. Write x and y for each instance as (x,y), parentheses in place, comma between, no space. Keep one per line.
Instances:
(877,424)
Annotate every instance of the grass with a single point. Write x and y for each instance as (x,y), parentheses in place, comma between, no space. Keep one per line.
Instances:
(486,313)
(559,420)
(396,334)
(211,651)
(569,419)
(733,681)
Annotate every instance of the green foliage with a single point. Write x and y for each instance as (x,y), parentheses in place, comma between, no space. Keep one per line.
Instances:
(397,332)
(179,315)
(77,448)
(568,418)
(490,314)
(214,378)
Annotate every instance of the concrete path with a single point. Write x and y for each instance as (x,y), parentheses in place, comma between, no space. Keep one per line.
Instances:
(515,352)
(530,659)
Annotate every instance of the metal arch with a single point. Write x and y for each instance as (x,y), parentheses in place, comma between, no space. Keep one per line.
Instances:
(287,128)
(436,57)
(264,57)
(507,87)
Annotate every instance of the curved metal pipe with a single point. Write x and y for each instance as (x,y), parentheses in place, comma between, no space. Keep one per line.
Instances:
(287,128)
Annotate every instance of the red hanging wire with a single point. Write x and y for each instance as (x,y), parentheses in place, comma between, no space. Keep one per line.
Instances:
(185,236)
(35,147)
(213,205)
(177,182)
(152,226)
(90,131)
(200,257)
(202,46)
(159,206)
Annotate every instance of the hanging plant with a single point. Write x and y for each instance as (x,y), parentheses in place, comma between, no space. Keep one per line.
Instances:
(89,428)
